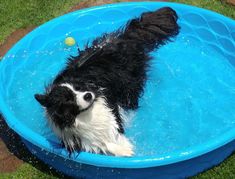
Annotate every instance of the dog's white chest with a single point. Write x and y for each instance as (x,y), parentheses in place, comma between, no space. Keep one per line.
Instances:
(97,126)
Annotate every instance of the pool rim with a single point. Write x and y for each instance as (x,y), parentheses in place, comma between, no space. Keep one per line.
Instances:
(110,161)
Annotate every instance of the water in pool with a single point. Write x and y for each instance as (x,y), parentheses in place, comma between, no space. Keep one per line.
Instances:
(188,99)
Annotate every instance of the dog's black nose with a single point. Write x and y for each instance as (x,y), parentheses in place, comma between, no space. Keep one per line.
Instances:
(87,97)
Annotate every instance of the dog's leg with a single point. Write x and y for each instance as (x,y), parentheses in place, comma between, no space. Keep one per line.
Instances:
(122,148)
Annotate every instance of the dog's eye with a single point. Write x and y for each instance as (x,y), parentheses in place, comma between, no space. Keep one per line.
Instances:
(87,97)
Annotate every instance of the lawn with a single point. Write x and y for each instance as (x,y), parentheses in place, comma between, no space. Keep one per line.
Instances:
(16,14)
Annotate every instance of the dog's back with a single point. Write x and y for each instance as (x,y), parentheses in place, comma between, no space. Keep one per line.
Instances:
(118,61)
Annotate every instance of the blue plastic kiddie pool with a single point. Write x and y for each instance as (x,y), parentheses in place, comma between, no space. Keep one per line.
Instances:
(186,120)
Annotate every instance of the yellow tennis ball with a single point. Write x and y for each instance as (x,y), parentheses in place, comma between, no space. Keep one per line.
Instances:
(70,41)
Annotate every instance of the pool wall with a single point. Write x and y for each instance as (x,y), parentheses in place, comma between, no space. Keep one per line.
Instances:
(182,169)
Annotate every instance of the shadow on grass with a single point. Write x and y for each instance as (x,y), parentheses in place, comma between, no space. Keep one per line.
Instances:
(16,146)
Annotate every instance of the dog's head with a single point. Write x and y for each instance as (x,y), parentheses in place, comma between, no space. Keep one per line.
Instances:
(64,103)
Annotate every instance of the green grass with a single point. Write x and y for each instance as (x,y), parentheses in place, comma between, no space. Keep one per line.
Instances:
(27,171)
(17,14)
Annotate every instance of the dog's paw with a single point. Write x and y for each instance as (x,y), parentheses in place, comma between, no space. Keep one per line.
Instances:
(118,150)
(125,152)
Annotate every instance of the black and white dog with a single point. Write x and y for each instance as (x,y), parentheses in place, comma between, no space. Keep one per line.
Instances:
(84,102)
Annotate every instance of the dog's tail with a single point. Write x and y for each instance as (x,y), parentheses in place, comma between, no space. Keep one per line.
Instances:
(152,28)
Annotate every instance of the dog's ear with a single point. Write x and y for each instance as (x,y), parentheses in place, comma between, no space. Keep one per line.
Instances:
(42,99)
